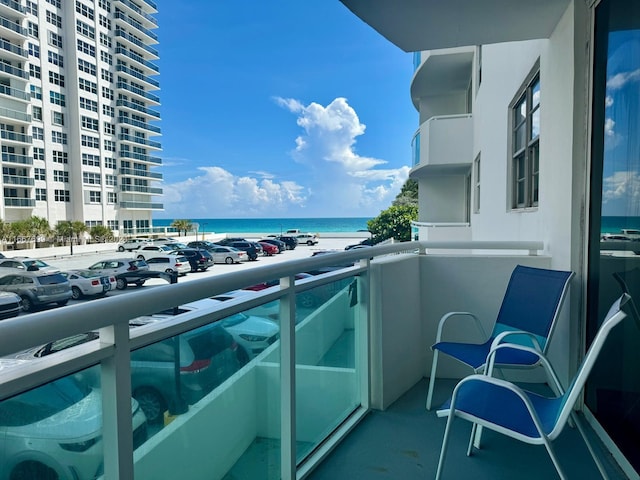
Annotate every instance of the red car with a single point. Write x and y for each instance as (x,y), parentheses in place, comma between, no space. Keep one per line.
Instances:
(269,249)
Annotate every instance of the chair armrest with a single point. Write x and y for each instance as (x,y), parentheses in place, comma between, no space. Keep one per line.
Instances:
(450,315)
(501,336)
(514,346)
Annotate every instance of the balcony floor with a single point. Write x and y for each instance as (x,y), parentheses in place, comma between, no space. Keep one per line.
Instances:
(404,442)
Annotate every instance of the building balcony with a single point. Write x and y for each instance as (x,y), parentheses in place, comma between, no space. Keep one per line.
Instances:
(137,76)
(15,71)
(125,20)
(15,137)
(142,16)
(344,374)
(132,139)
(19,202)
(11,7)
(140,173)
(126,38)
(17,180)
(149,67)
(11,29)
(140,157)
(141,205)
(18,159)
(11,51)
(141,189)
(15,93)
(138,92)
(138,109)
(141,125)
(443,146)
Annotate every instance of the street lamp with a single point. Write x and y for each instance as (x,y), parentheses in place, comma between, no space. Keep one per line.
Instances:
(203,230)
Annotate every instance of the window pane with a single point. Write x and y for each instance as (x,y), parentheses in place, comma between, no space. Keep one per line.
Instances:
(535,124)
(519,138)
(535,94)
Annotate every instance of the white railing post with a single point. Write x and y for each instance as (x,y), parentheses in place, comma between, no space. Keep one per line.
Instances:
(288,380)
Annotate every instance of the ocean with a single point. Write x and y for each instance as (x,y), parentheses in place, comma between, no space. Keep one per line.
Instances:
(273,225)
(615,224)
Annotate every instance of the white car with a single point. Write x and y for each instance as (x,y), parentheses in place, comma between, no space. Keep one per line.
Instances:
(24,264)
(169,264)
(133,244)
(89,282)
(307,238)
(153,250)
(32,442)
(228,255)
(163,240)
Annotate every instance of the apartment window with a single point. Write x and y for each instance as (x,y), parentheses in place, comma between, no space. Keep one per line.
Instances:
(41,194)
(84,10)
(107,93)
(109,128)
(60,157)
(37,133)
(106,75)
(93,196)
(91,160)
(34,50)
(86,67)
(108,111)
(87,85)
(56,78)
(36,113)
(112,197)
(110,146)
(111,180)
(34,71)
(105,40)
(58,137)
(32,8)
(60,176)
(38,154)
(61,196)
(89,141)
(84,47)
(90,123)
(85,29)
(106,4)
(91,178)
(55,58)
(110,162)
(39,173)
(57,118)
(476,185)
(88,104)
(54,39)
(113,224)
(32,29)
(525,143)
(105,22)
(55,3)
(54,19)
(36,92)
(57,98)
(106,57)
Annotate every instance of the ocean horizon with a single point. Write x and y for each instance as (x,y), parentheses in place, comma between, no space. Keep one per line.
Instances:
(273,225)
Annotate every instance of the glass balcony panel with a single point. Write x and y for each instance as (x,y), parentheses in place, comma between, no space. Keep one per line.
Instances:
(327,374)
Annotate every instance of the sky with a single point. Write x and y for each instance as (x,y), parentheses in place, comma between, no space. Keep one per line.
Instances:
(284,108)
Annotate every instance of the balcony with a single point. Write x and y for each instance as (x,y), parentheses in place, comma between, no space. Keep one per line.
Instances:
(140,157)
(141,205)
(444,146)
(19,202)
(139,92)
(138,75)
(122,17)
(122,34)
(14,93)
(140,141)
(13,51)
(15,71)
(13,5)
(142,125)
(141,189)
(138,108)
(14,137)
(12,29)
(15,158)
(17,180)
(345,376)
(140,173)
(137,10)
(152,68)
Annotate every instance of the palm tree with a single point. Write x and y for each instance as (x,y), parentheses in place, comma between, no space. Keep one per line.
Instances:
(64,229)
(78,229)
(182,226)
(38,227)
(101,234)
(19,229)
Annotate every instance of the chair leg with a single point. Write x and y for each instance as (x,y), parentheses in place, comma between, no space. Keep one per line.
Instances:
(432,379)
(592,451)
(554,459)
(471,438)
(445,443)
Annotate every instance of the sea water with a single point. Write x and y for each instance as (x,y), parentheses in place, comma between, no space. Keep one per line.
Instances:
(273,225)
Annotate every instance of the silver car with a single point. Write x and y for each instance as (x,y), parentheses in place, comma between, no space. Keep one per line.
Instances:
(37,288)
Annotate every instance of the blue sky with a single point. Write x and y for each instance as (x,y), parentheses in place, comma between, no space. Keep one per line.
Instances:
(292,108)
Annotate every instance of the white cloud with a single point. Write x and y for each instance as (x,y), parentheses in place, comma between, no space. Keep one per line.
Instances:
(608,127)
(608,101)
(338,181)
(619,80)
(622,185)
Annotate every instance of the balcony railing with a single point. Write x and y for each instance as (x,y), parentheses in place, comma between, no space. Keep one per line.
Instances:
(141,189)
(141,157)
(19,202)
(14,5)
(297,396)
(138,108)
(122,16)
(141,141)
(142,205)
(137,58)
(14,92)
(138,91)
(10,47)
(11,70)
(14,114)
(13,26)
(15,136)
(17,180)
(140,173)
(120,33)
(138,75)
(136,123)
(15,158)
(139,11)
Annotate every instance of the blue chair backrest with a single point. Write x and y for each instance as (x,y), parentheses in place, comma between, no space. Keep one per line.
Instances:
(532,302)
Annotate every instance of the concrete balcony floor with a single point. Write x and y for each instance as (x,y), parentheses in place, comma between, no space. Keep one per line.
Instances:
(404,442)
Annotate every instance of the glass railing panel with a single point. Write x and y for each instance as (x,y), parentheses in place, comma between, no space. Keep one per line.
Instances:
(327,374)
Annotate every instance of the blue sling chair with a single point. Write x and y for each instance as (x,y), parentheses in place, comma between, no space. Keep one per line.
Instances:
(527,316)
(504,407)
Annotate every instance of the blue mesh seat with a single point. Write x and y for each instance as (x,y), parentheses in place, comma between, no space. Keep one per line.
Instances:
(527,316)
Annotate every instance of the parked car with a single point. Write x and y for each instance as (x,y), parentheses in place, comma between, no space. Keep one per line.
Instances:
(202,244)
(26,263)
(229,240)
(124,269)
(172,263)
(37,288)
(164,240)
(89,283)
(152,251)
(249,247)
(229,255)
(367,242)
(269,249)
(307,238)
(290,242)
(33,445)
(198,259)
(175,245)
(281,245)
(10,305)
(133,244)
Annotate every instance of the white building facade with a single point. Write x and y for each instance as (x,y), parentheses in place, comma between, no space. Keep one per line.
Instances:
(529,130)
(77,99)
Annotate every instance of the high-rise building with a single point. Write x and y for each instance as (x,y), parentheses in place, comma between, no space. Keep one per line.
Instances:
(77,117)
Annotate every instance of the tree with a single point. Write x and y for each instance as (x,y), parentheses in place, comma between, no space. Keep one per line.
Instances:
(38,227)
(101,234)
(394,222)
(408,195)
(78,228)
(182,226)
(64,229)
(19,229)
